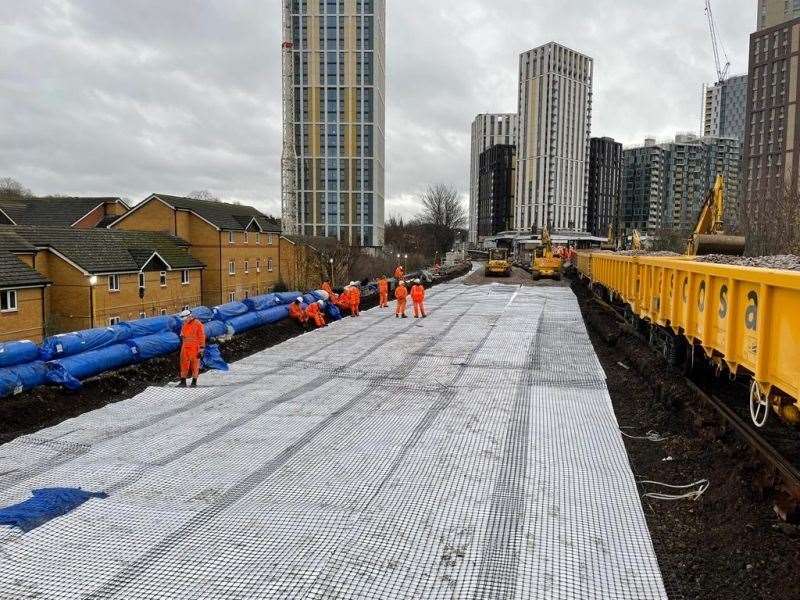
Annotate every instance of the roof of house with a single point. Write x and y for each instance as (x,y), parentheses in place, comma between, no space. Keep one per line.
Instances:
(15,273)
(110,250)
(222,215)
(51,211)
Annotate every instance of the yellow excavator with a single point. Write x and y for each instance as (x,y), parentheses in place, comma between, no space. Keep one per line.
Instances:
(709,236)
(498,263)
(546,265)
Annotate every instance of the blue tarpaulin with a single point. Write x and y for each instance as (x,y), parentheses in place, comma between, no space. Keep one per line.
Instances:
(215,329)
(203,314)
(333,312)
(151,326)
(287,297)
(45,505)
(245,322)
(258,303)
(212,359)
(70,371)
(274,315)
(228,311)
(14,380)
(18,353)
(153,346)
(69,344)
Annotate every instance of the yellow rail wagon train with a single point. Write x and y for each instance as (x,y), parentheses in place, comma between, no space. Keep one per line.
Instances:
(746,320)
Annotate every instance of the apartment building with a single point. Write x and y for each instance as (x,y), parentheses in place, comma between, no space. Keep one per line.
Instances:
(497,184)
(725,108)
(58,211)
(643,187)
(605,185)
(97,277)
(487,130)
(238,245)
(776,12)
(555,114)
(22,290)
(339,98)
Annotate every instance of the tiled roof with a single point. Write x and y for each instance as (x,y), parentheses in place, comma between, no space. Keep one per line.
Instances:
(223,215)
(50,211)
(110,250)
(15,273)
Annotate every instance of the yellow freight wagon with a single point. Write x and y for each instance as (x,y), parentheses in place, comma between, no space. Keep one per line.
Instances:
(744,318)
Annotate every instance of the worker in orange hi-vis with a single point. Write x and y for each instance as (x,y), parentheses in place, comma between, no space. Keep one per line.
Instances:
(399,273)
(193,344)
(297,313)
(314,313)
(326,287)
(355,298)
(343,300)
(418,298)
(400,294)
(383,290)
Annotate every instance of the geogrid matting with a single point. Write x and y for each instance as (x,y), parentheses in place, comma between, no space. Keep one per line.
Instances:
(472,454)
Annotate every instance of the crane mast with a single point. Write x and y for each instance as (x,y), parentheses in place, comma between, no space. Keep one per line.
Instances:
(289,223)
(717,46)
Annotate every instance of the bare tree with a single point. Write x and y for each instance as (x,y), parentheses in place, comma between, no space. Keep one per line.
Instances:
(771,222)
(203,195)
(11,188)
(444,214)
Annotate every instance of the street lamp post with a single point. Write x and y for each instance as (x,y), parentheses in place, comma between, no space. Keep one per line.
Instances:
(333,284)
(92,283)
(405,263)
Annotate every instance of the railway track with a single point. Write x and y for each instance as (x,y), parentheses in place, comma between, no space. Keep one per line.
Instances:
(787,471)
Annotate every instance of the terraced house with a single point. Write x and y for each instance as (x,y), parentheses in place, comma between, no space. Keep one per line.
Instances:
(237,244)
(22,290)
(59,211)
(99,277)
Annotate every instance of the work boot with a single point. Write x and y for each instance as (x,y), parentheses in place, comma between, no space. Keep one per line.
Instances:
(405,316)
(416,316)
(397,316)
(182,383)
(424,316)
(194,382)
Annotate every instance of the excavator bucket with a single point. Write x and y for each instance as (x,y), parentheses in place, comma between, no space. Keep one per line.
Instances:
(732,245)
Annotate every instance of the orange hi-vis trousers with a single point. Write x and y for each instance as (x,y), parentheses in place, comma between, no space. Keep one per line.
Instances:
(190,362)
(384,299)
(419,308)
(401,306)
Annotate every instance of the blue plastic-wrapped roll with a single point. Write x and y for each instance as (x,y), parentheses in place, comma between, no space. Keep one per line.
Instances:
(245,322)
(70,371)
(69,344)
(263,302)
(153,346)
(287,297)
(333,312)
(151,326)
(212,359)
(273,315)
(203,314)
(228,311)
(309,298)
(17,353)
(19,378)
(215,329)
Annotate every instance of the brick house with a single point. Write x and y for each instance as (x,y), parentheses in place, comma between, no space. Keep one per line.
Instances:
(22,291)
(80,213)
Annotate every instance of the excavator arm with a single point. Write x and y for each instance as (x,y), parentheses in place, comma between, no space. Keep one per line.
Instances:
(708,236)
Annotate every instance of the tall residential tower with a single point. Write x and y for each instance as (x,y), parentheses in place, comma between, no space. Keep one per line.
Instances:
(724,108)
(775,12)
(487,130)
(555,116)
(339,85)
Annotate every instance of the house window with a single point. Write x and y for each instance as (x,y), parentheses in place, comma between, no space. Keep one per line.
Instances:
(258,265)
(162,278)
(247,266)
(113,283)
(246,295)
(269,265)
(163,312)
(113,321)
(141,280)
(245,237)
(8,301)
(232,267)
(269,239)
(185,277)
(185,308)
(231,237)
(232,297)
(258,238)
(142,315)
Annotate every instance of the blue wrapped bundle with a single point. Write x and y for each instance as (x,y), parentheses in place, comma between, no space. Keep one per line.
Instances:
(203,314)
(309,298)
(18,353)
(287,297)
(19,378)
(70,371)
(332,311)
(244,322)
(226,312)
(264,302)
(215,329)
(273,315)
(69,344)
(212,359)
(153,346)
(151,326)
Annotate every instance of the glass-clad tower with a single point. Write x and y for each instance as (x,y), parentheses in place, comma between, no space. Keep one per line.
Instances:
(339,76)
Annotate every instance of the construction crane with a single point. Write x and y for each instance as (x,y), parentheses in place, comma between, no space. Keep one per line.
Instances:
(719,48)
(709,236)
(289,223)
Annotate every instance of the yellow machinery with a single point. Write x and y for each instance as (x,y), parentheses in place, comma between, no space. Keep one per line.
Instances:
(546,265)
(611,244)
(709,236)
(498,263)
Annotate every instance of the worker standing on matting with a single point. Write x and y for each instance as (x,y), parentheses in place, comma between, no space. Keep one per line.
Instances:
(400,295)
(193,344)
(418,298)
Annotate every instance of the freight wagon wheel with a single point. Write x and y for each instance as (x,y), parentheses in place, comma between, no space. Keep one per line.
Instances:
(759,405)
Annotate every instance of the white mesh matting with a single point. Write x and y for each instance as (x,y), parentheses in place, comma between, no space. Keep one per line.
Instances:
(472,454)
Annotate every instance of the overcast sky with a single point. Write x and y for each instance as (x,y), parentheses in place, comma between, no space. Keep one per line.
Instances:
(129,97)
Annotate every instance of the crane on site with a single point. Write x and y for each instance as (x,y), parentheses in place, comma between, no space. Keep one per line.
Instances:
(720,54)
(289,155)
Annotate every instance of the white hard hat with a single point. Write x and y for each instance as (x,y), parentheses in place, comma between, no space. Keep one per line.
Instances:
(185,314)
(321,302)
(353,283)
(417,281)
(401,282)
(299,299)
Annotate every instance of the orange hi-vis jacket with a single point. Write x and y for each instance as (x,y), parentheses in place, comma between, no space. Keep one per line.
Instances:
(326,287)
(315,314)
(418,293)
(401,292)
(193,337)
(398,273)
(383,285)
(296,312)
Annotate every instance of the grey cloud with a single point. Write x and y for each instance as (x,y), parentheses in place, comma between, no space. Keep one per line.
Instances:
(129,97)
